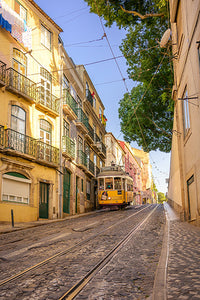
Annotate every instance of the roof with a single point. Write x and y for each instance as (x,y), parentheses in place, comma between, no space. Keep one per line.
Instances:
(45,15)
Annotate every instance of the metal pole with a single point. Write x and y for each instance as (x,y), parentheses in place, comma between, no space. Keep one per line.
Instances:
(12,218)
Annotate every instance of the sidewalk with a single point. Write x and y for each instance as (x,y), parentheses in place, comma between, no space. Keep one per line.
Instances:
(7,227)
(178,272)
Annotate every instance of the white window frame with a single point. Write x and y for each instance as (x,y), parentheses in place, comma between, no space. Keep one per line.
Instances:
(46,37)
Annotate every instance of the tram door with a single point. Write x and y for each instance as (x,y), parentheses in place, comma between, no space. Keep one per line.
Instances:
(66,192)
(44,200)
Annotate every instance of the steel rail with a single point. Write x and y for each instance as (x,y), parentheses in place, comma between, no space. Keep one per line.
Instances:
(68,250)
(75,290)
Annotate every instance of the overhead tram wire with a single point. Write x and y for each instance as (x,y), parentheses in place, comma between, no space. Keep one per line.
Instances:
(134,112)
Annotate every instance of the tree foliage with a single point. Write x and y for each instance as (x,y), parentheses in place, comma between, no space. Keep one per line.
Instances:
(146,113)
(161,197)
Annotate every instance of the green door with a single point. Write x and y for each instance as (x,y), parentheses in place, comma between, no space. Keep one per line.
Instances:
(44,201)
(66,192)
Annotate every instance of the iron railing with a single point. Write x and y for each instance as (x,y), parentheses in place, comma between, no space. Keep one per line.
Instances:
(97,171)
(90,131)
(20,142)
(82,158)
(82,117)
(96,138)
(68,99)
(68,146)
(47,152)
(2,71)
(45,98)
(20,83)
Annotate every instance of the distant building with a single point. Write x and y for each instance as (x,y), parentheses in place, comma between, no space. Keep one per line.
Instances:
(184,179)
(114,152)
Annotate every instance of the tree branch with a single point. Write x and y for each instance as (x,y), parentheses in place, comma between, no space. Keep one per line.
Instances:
(135,13)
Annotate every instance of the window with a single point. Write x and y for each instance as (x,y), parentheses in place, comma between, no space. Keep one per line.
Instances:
(65,128)
(80,143)
(100,164)
(18,119)
(45,37)
(73,92)
(118,183)
(65,83)
(81,185)
(45,131)
(100,112)
(101,184)
(19,61)
(45,88)
(94,102)
(88,190)
(20,10)
(109,183)
(15,188)
(186,113)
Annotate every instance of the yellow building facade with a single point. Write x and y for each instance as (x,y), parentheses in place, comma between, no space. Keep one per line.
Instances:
(184,180)
(44,172)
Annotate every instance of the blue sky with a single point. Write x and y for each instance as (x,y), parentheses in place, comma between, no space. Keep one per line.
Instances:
(82,37)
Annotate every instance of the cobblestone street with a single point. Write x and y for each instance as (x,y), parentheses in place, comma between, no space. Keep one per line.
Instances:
(163,244)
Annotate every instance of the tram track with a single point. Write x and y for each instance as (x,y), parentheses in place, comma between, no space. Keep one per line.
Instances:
(75,290)
(70,249)
(141,217)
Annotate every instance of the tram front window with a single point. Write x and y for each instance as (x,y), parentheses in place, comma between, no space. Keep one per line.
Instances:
(118,183)
(109,183)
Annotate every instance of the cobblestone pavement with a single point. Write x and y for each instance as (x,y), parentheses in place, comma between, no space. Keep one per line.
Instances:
(183,274)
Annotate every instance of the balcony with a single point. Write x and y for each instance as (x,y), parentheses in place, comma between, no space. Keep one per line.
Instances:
(68,147)
(82,121)
(102,149)
(69,105)
(20,85)
(47,102)
(97,171)
(90,167)
(90,134)
(47,153)
(96,141)
(2,73)
(20,143)
(82,159)
(17,144)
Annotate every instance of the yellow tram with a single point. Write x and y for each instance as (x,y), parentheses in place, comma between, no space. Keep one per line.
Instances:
(115,187)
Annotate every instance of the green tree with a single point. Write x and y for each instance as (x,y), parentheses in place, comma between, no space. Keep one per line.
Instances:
(146,113)
(161,197)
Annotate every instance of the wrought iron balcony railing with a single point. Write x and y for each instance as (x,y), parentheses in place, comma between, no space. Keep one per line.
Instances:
(68,146)
(2,71)
(89,96)
(82,117)
(20,84)
(20,142)
(14,140)
(90,131)
(82,158)
(69,100)
(97,171)
(45,98)
(96,138)
(47,152)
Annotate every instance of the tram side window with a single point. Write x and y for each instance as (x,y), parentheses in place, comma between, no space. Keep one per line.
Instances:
(109,183)
(101,184)
(118,183)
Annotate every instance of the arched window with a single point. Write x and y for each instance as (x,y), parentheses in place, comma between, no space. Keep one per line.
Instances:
(45,132)
(19,61)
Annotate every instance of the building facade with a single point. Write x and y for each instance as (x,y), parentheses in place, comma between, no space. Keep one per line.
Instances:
(184,180)
(115,154)
(47,148)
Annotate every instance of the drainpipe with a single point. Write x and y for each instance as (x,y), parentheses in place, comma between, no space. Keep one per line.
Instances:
(60,131)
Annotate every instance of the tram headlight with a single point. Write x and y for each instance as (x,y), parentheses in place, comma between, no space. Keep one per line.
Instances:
(109,198)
